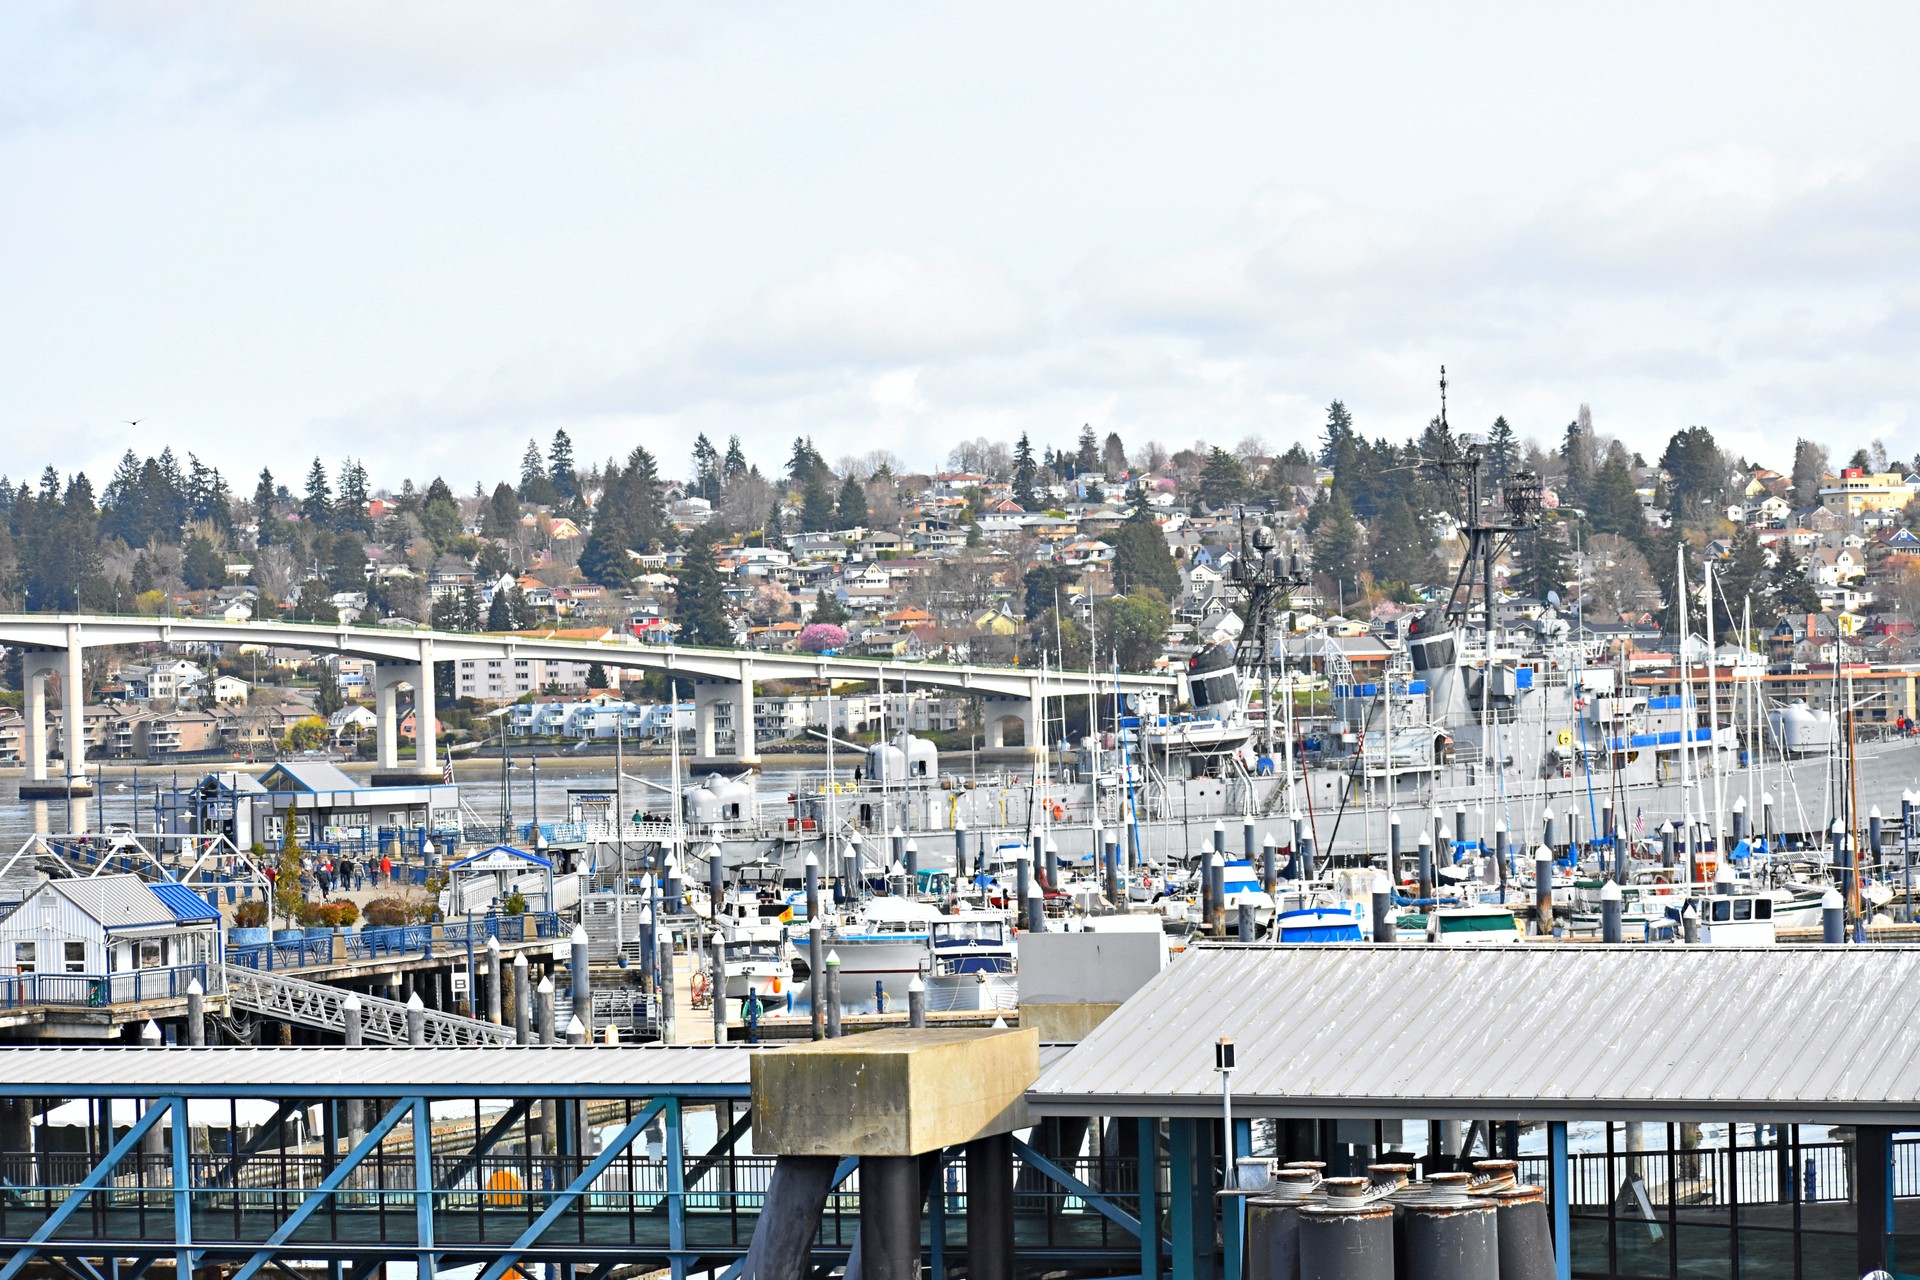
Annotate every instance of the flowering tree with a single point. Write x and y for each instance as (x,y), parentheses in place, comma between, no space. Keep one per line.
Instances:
(818,637)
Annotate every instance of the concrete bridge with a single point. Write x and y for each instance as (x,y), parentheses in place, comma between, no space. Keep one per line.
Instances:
(406,658)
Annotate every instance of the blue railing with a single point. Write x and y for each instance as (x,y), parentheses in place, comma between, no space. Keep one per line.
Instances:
(384,942)
(95,990)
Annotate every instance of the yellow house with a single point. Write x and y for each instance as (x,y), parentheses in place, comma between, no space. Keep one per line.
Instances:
(1854,491)
(994,622)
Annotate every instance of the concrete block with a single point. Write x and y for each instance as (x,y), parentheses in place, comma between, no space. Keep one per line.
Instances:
(898,1092)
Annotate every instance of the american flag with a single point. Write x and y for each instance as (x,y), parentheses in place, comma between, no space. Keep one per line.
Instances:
(446,771)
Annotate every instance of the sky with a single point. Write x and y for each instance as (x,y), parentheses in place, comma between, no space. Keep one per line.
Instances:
(420,232)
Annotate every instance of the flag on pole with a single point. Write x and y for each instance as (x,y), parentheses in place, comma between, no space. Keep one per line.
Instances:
(446,771)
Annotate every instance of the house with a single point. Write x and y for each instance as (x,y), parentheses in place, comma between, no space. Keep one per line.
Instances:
(328,803)
(349,724)
(113,927)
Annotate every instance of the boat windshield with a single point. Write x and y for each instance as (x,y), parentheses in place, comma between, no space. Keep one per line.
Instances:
(969,933)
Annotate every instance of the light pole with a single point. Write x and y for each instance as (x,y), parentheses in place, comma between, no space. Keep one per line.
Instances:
(1223,1063)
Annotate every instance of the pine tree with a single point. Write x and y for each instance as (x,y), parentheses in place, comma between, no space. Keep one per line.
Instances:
(735,466)
(1335,539)
(1113,457)
(501,515)
(816,503)
(851,511)
(1338,431)
(700,600)
(500,611)
(1401,547)
(1024,475)
(202,566)
(534,484)
(1140,555)
(263,507)
(1544,563)
(643,500)
(706,469)
(560,473)
(1613,503)
(1223,481)
(604,558)
(318,504)
(1502,449)
(350,512)
(1086,458)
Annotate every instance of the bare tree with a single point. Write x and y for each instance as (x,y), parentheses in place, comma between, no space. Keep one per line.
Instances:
(1615,579)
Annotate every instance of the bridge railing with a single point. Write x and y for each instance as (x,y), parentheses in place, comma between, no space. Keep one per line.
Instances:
(386,942)
(98,990)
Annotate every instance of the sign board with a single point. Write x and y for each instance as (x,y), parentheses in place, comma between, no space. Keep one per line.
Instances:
(460,982)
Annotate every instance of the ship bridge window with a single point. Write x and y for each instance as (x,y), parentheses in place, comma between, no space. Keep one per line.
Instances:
(1723,910)
(1743,909)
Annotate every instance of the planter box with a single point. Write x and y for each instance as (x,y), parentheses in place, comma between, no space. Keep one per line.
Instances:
(249,937)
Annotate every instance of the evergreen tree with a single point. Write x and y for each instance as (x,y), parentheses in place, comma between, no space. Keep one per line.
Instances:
(349,571)
(1809,472)
(1223,481)
(1613,503)
(534,484)
(700,600)
(1544,563)
(440,516)
(1742,576)
(775,534)
(500,612)
(313,604)
(350,511)
(706,469)
(1401,546)
(827,608)
(1793,592)
(501,516)
(125,499)
(560,473)
(1338,431)
(816,503)
(1502,449)
(1086,459)
(1024,475)
(1335,540)
(597,677)
(604,559)
(202,566)
(643,500)
(851,511)
(318,505)
(1577,450)
(264,495)
(207,495)
(1113,457)
(1697,473)
(803,464)
(1140,555)
(735,465)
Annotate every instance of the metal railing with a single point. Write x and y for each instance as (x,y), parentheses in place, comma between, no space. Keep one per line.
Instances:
(386,942)
(97,990)
(313,1004)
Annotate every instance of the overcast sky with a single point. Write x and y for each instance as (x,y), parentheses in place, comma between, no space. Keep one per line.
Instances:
(419,233)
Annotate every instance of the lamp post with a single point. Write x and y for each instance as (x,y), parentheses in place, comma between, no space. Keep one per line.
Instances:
(1223,1064)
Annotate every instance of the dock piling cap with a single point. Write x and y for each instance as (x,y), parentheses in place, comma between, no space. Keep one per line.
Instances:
(195,989)
(545,988)
(812,862)
(493,945)
(1609,892)
(1543,854)
(150,1034)
(414,1002)
(1831,900)
(352,1002)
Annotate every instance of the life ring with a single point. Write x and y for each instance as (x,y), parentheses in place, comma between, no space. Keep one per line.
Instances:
(1058,812)
(1564,737)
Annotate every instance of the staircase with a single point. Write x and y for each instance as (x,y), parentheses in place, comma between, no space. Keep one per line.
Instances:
(313,1004)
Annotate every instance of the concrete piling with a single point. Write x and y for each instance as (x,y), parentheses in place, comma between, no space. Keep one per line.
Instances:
(1036,909)
(543,1010)
(960,851)
(1220,837)
(790,1215)
(1382,896)
(1110,859)
(1612,914)
(916,1002)
(1217,895)
(1667,858)
(1450,1236)
(717,989)
(522,1002)
(493,981)
(1051,852)
(1394,868)
(669,1005)
(833,995)
(196,1014)
(890,1196)
(1308,868)
(810,872)
(416,1020)
(580,967)
(355,1035)
(1249,837)
(1339,1242)
(1244,921)
(1524,1241)
(1500,852)
(990,1208)
(1690,925)
(1270,866)
(1022,877)
(816,976)
(1739,819)
(1833,918)
(912,864)
(1543,889)
(1426,865)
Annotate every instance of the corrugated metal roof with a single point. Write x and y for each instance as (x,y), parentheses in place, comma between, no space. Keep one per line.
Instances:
(508,1071)
(312,775)
(184,903)
(1527,1032)
(117,901)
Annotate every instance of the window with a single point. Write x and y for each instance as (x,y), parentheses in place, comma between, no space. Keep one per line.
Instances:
(76,957)
(25,956)
(153,954)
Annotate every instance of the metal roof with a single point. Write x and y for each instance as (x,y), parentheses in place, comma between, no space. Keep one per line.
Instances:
(184,903)
(1526,1032)
(119,901)
(311,775)
(507,1071)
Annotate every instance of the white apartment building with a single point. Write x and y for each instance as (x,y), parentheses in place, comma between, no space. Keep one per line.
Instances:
(505,679)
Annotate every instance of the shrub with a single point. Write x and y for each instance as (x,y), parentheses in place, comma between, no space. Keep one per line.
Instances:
(516,904)
(251,914)
(387,913)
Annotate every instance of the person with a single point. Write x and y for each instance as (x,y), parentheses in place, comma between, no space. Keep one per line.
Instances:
(386,868)
(347,871)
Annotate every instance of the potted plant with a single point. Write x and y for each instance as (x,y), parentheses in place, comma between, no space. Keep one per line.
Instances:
(249,924)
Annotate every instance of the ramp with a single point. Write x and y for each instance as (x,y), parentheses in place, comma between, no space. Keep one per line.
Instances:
(314,1004)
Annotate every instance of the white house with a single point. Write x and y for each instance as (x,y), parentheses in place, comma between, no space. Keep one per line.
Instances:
(107,926)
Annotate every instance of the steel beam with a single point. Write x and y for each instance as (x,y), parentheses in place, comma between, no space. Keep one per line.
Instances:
(96,1177)
(1096,1200)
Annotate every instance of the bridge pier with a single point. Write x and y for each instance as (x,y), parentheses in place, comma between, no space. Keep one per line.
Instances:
(736,695)
(387,679)
(1001,711)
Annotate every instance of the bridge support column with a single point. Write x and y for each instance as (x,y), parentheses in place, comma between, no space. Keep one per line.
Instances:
(706,701)
(35,667)
(998,711)
(426,718)
(387,679)
(745,749)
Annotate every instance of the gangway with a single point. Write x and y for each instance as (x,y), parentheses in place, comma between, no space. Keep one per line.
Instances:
(382,1021)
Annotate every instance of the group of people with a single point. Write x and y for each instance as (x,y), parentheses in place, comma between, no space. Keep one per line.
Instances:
(347,875)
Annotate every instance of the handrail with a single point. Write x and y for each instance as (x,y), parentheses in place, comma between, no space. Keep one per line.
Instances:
(382,1021)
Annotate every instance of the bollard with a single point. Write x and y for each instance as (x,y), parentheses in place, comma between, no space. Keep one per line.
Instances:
(1217,895)
(1394,869)
(960,851)
(1249,837)
(543,1010)
(1543,889)
(912,863)
(1051,851)
(1338,1242)
(1666,844)
(1308,868)
(1111,856)
(1612,913)
(1450,1236)
(1500,853)
(416,1020)
(1244,921)
(1690,925)
(522,1002)
(493,981)
(1022,877)
(1270,866)
(833,995)
(916,1002)
(1036,910)
(196,1014)
(1220,837)
(1382,895)
(810,871)
(1426,866)
(1520,1227)
(1739,819)
(355,1036)
(581,969)
(816,977)
(1833,918)
(717,988)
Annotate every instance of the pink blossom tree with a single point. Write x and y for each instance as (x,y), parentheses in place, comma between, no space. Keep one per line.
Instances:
(818,637)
